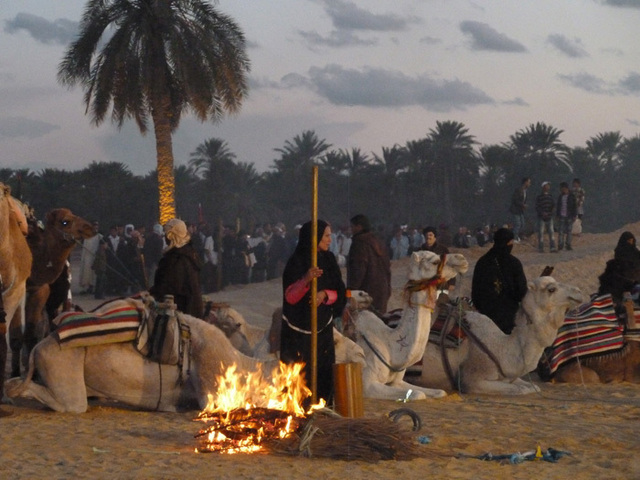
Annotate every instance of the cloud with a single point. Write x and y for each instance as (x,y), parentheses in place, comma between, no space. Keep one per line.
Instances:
(430,40)
(337,38)
(622,3)
(484,37)
(518,101)
(60,31)
(630,85)
(571,48)
(348,16)
(376,87)
(587,82)
(21,127)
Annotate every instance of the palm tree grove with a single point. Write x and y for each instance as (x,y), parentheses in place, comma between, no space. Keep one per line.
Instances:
(152,61)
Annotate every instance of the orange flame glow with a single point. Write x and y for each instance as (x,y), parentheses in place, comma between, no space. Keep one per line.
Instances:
(248,408)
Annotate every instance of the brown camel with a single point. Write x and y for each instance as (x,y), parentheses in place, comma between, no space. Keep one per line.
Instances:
(50,247)
(15,266)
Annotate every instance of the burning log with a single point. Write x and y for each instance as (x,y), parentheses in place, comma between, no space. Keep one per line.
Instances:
(249,415)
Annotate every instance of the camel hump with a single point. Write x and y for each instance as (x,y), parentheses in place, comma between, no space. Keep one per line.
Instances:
(17,208)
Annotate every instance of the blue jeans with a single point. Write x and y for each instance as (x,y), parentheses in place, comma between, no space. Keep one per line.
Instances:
(518,223)
(548,225)
(565,225)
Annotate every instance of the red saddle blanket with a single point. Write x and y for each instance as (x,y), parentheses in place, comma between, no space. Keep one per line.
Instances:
(82,329)
(591,329)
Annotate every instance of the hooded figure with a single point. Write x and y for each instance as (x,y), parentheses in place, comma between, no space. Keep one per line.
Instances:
(296,309)
(178,272)
(499,282)
(622,273)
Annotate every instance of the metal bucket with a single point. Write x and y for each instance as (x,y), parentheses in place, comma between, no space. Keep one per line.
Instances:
(347,379)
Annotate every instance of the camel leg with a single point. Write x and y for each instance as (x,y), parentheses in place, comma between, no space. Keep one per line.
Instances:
(501,387)
(390,392)
(15,343)
(429,392)
(3,359)
(62,375)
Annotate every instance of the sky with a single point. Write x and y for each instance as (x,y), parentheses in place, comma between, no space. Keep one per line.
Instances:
(360,73)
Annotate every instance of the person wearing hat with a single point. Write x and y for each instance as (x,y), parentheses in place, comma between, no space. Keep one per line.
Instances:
(178,271)
(545,208)
(499,282)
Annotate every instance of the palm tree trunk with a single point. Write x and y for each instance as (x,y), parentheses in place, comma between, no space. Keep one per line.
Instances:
(166,181)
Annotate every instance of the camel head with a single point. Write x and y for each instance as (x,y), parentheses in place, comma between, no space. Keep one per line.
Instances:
(359,300)
(67,225)
(548,299)
(427,265)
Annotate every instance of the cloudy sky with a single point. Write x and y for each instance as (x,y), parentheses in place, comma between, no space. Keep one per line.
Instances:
(361,73)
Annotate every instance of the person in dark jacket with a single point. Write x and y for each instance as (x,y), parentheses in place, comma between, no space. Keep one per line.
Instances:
(296,309)
(518,206)
(545,208)
(368,266)
(499,282)
(178,272)
(566,210)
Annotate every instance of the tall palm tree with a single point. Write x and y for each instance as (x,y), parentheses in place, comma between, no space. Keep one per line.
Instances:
(304,151)
(207,154)
(454,162)
(606,148)
(156,59)
(540,145)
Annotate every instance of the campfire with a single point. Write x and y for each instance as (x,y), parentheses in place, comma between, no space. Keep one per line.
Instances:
(250,413)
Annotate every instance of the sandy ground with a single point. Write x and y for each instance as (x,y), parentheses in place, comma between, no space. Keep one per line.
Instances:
(596,424)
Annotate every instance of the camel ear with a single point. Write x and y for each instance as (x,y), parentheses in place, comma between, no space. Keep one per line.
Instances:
(415,257)
(531,285)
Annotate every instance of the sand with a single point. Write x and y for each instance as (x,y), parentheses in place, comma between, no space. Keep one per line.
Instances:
(596,424)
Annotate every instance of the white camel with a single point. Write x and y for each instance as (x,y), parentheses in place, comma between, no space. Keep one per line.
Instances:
(67,376)
(489,361)
(389,351)
(264,344)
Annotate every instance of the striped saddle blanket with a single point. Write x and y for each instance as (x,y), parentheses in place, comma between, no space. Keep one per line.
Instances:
(591,329)
(83,329)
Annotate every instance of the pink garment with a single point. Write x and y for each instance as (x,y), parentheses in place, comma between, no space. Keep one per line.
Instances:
(298,290)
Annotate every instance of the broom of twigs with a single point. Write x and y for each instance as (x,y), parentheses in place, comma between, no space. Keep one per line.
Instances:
(328,435)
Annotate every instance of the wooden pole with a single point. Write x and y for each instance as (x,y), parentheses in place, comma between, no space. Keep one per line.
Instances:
(314,286)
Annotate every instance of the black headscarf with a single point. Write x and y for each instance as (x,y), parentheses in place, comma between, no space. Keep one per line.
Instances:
(500,240)
(331,279)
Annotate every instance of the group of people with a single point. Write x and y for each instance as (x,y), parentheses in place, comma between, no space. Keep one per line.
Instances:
(122,262)
(565,211)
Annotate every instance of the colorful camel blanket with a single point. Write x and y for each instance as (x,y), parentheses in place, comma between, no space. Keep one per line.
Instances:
(590,329)
(83,329)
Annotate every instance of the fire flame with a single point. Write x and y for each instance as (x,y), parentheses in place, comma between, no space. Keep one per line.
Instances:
(248,409)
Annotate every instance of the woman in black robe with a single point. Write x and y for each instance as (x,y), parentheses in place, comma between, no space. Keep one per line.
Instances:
(499,283)
(622,273)
(296,310)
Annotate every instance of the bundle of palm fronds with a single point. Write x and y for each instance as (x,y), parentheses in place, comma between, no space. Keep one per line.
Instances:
(331,436)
